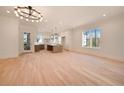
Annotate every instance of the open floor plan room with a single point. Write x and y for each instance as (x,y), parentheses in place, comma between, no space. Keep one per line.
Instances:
(61,45)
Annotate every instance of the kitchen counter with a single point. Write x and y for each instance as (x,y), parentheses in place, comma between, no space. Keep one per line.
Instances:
(39,47)
(55,48)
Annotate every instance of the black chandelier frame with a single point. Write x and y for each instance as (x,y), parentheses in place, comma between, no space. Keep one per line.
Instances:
(28,13)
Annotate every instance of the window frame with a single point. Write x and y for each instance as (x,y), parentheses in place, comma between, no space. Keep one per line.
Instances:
(90,36)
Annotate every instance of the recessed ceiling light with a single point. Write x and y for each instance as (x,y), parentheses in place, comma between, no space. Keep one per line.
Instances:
(8,11)
(104,15)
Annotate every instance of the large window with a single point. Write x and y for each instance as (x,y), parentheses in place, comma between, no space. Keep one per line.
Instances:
(91,38)
(39,38)
(26,37)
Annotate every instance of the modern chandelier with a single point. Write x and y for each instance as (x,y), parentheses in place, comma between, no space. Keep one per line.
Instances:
(28,13)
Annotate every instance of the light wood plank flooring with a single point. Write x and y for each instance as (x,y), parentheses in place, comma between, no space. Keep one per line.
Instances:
(67,68)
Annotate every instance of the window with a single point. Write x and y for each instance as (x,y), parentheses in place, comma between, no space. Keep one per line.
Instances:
(39,38)
(26,37)
(91,38)
(55,38)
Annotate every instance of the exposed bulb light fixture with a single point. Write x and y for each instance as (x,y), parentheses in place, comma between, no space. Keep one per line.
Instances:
(46,20)
(8,11)
(104,15)
(37,21)
(26,19)
(21,17)
(41,19)
(28,13)
(17,15)
(32,20)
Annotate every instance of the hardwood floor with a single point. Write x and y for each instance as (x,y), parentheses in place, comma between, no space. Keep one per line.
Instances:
(67,68)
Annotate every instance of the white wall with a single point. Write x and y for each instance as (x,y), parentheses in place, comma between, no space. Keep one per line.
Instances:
(8,37)
(112,40)
(67,34)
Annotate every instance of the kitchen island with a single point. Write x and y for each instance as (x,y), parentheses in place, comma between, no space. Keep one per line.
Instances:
(39,47)
(55,48)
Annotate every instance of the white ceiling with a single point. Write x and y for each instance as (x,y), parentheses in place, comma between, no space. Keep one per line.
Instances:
(64,17)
